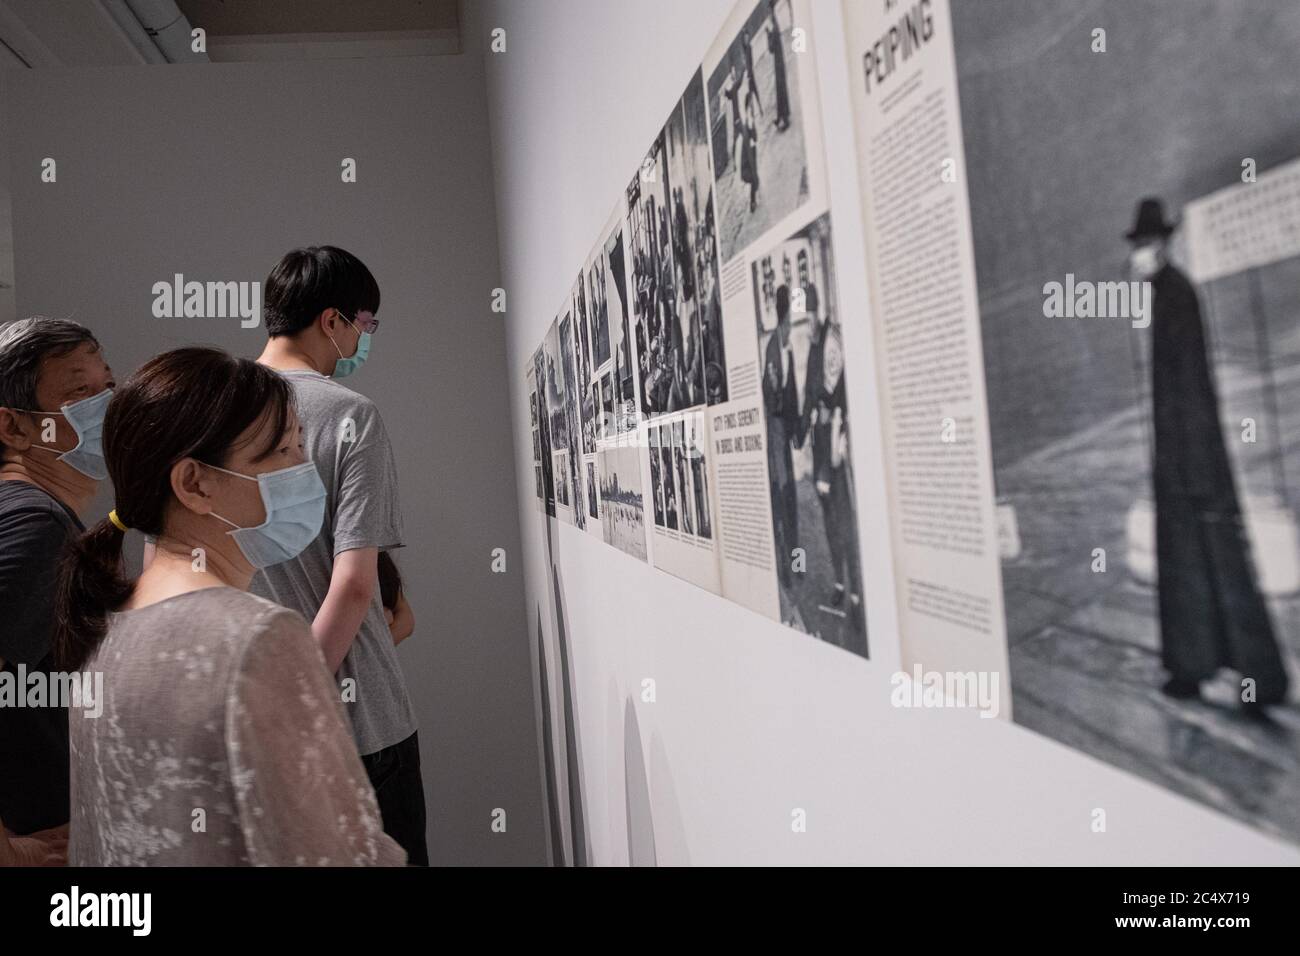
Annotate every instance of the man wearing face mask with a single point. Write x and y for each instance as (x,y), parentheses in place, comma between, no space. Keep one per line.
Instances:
(54,389)
(1212,614)
(320,304)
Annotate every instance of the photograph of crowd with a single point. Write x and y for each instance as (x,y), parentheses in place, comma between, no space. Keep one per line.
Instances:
(670,349)
(694,231)
(814,517)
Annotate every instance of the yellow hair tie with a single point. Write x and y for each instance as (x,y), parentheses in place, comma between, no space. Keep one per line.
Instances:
(117,522)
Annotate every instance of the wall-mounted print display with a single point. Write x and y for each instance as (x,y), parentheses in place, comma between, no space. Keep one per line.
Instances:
(725,218)
(1091,390)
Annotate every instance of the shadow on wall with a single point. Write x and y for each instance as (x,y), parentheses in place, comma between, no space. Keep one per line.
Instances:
(640,821)
(566,813)
(564,803)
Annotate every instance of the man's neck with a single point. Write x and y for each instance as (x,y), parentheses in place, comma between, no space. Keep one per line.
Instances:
(283,354)
(62,483)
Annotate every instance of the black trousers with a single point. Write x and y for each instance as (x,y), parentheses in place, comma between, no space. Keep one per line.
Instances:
(399,787)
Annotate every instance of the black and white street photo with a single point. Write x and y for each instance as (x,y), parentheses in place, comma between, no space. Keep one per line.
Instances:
(759,152)
(694,233)
(670,350)
(814,517)
(1147,467)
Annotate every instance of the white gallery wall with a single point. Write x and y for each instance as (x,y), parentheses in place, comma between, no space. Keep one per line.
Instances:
(751,722)
(214,171)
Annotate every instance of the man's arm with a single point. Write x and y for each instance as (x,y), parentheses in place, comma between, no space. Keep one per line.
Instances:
(352,587)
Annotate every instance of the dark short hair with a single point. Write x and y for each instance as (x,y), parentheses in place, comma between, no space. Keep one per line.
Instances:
(306,282)
(24,345)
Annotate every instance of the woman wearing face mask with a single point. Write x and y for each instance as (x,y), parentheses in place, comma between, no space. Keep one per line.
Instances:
(221,740)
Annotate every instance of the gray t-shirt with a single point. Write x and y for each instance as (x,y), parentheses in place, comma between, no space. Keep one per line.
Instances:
(345,437)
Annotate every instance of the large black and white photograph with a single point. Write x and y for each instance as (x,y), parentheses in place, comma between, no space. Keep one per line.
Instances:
(760,157)
(694,233)
(622,499)
(1147,463)
(670,351)
(810,473)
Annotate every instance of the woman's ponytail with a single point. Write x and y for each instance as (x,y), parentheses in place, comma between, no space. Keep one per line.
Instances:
(91,583)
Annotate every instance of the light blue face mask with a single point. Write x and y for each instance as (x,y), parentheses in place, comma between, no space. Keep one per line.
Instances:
(87,419)
(345,366)
(294,498)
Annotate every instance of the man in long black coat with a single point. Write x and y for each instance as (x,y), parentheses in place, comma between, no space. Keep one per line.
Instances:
(1212,614)
(781,403)
(777,49)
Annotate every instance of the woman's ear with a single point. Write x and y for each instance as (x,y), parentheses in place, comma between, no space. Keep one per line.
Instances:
(192,486)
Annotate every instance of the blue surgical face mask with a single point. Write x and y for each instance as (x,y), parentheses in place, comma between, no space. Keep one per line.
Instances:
(87,419)
(345,366)
(294,499)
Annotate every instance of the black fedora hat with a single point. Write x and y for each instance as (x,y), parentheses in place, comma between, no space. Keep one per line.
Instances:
(1150,220)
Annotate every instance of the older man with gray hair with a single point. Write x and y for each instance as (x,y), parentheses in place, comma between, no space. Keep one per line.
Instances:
(54,388)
